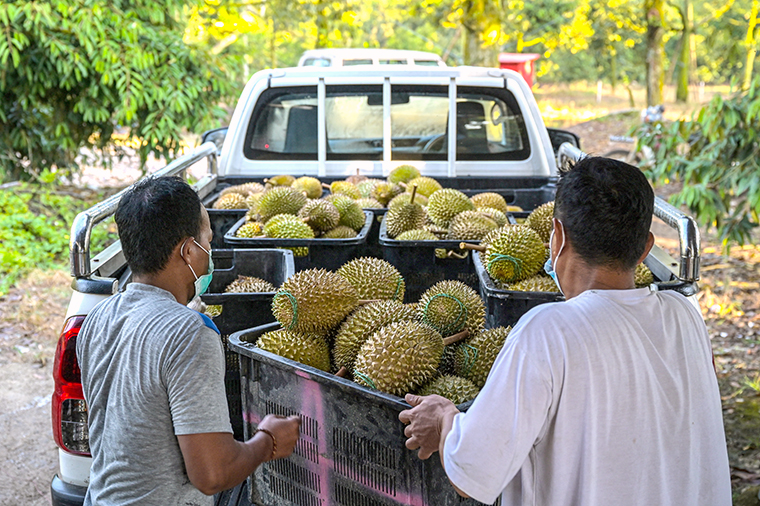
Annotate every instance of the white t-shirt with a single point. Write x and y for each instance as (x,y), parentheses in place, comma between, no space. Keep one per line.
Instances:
(607,399)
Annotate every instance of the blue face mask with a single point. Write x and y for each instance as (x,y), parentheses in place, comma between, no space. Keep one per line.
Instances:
(548,265)
(202,283)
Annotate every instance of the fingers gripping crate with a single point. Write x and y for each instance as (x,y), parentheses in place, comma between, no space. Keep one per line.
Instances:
(243,310)
(351,451)
(328,254)
(421,268)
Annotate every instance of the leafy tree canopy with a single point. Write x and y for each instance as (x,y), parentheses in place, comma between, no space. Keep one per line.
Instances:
(73,71)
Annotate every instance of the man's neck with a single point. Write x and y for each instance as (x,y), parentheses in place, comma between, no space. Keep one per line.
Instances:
(578,277)
(165,281)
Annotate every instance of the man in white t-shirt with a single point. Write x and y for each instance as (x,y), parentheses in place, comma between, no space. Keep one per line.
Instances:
(609,398)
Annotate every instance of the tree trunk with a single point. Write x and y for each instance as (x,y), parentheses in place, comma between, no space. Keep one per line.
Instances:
(655,72)
(751,43)
(683,67)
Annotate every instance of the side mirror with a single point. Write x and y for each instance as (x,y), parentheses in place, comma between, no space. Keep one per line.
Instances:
(216,136)
(558,137)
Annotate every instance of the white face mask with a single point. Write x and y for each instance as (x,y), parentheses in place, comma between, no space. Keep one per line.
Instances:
(202,283)
(549,265)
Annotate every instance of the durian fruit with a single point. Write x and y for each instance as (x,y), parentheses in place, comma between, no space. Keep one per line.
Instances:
(369,203)
(230,201)
(514,253)
(454,388)
(451,306)
(416,235)
(470,226)
(250,229)
(281,180)
(399,357)
(356,178)
(313,300)
(340,232)
(404,199)
(250,284)
(403,217)
(307,348)
(514,209)
(426,186)
(280,200)
(351,213)
(320,215)
(245,189)
(252,202)
(213,310)
(475,358)
(374,278)
(361,324)
(287,226)
(444,204)
(540,220)
(537,283)
(499,217)
(383,192)
(309,185)
(403,174)
(366,186)
(490,199)
(345,188)
(643,276)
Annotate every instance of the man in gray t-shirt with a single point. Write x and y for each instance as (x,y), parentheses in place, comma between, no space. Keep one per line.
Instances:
(153,369)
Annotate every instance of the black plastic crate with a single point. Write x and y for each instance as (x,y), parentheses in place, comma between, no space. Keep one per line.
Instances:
(243,310)
(421,269)
(351,451)
(323,253)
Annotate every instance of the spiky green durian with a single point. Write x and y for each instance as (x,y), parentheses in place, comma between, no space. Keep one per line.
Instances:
(490,199)
(230,201)
(369,203)
(499,217)
(416,235)
(309,185)
(404,199)
(403,174)
(252,202)
(399,357)
(470,226)
(320,215)
(540,220)
(374,278)
(366,186)
(425,185)
(313,300)
(454,388)
(306,348)
(281,180)
(345,188)
(475,357)
(450,307)
(536,283)
(383,192)
(643,276)
(351,213)
(280,200)
(516,253)
(250,229)
(249,284)
(404,216)
(444,204)
(361,324)
(213,310)
(340,232)
(245,189)
(288,226)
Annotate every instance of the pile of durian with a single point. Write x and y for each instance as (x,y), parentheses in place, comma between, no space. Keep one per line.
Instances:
(353,322)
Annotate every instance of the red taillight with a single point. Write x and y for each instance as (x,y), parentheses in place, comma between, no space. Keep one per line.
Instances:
(69,409)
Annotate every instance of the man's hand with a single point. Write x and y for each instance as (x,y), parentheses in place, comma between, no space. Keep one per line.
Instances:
(428,423)
(286,431)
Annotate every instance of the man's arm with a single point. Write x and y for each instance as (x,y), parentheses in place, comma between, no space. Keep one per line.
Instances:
(215,461)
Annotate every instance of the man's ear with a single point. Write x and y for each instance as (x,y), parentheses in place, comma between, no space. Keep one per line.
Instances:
(648,248)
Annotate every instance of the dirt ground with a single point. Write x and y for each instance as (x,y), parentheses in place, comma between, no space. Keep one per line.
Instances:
(31,316)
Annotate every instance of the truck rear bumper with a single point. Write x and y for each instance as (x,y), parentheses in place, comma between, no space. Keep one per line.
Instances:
(65,494)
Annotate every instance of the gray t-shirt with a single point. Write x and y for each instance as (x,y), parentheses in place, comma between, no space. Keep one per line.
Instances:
(152,369)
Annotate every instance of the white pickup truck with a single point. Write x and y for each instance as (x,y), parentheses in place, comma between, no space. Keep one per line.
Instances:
(470,128)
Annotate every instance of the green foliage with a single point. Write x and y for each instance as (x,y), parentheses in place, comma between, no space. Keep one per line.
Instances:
(716,155)
(73,71)
(35,221)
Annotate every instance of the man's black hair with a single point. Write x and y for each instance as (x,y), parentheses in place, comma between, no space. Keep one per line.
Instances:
(153,217)
(605,207)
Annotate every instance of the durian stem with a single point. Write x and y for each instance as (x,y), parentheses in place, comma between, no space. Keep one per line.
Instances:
(476,247)
(437,231)
(456,337)
(414,193)
(325,185)
(364,302)
(342,372)
(454,254)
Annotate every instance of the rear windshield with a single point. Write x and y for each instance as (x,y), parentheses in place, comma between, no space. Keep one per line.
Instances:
(489,125)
